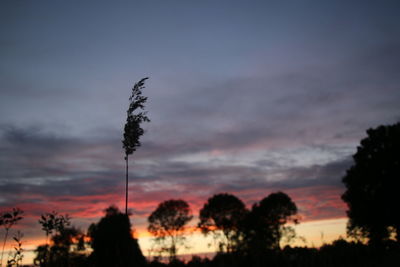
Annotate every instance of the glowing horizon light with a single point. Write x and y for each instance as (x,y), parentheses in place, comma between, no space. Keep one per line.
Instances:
(331,230)
(198,244)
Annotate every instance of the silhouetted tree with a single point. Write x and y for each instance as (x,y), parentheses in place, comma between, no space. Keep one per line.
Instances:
(132,129)
(373,184)
(223,213)
(8,220)
(113,242)
(65,246)
(64,243)
(265,225)
(52,223)
(168,223)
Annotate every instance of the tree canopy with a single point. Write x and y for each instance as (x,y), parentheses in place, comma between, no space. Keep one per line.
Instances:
(168,223)
(373,184)
(223,213)
(265,225)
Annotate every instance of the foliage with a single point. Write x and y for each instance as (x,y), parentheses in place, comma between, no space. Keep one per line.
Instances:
(112,241)
(168,222)
(223,213)
(17,256)
(8,220)
(132,129)
(372,186)
(66,242)
(63,249)
(265,225)
(53,222)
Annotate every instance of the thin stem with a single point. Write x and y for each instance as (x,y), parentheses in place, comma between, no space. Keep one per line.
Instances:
(4,244)
(173,248)
(46,254)
(126,187)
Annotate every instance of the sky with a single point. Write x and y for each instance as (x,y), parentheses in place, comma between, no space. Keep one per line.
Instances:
(244,97)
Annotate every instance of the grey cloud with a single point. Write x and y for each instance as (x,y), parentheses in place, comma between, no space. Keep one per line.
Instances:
(50,176)
(36,163)
(317,104)
(237,178)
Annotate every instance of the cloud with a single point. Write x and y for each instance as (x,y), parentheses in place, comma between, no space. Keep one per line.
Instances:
(43,171)
(311,104)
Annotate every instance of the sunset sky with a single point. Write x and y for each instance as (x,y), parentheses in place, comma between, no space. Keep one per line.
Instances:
(244,97)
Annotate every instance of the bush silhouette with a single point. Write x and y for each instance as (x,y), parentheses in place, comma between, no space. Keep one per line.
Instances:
(113,243)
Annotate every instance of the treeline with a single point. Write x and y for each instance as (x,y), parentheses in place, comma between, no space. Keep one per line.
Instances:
(245,237)
(225,217)
(340,253)
(110,242)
